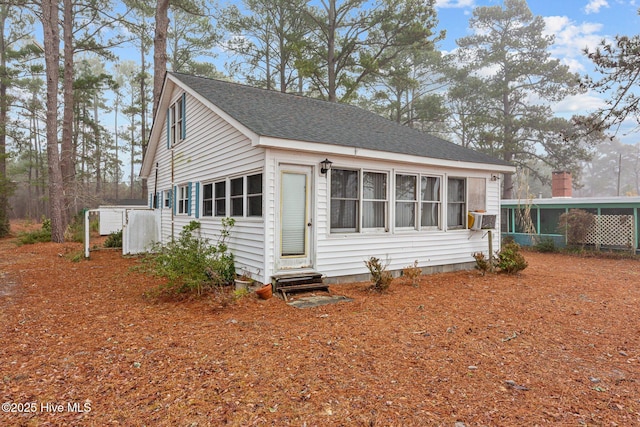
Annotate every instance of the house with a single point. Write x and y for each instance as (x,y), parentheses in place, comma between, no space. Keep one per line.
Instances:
(313,185)
(616,225)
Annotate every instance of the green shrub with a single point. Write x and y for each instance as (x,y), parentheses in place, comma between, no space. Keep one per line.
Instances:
(38,236)
(75,229)
(380,277)
(546,245)
(192,264)
(510,259)
(114,240)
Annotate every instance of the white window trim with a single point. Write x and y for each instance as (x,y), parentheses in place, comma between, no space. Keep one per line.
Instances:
(175,122)
(440,224)
(183,200)
(465,203)
(415,202)
(226,181)
(360,229)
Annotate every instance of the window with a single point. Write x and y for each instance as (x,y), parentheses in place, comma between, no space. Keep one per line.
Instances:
(221,198)
(350,196)
(477,194)
(237,196)
(243,196)
(374,200)
(183,199)
(430,201)
(167,198)
(176,121)
(207,200)
(344,200)
(456,203)
(254,195)
(406,200)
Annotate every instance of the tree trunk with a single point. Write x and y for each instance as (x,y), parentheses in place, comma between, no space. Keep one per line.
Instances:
(67,163)
(143,110)
(331,51)
(4,107)
(160,50)
(98,153)
(159,63)
(52,64)
(508,143)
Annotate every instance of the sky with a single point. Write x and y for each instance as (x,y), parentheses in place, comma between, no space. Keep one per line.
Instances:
(576,24)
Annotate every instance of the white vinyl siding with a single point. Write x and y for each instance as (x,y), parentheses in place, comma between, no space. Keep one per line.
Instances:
(434,246)
(212,151)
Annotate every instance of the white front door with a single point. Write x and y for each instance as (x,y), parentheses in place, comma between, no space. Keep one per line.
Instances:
(295,248)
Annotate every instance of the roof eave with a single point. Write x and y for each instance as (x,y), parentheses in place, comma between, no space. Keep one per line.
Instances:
(324,148)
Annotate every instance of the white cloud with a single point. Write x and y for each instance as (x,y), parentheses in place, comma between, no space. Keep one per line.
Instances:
(594,6)
(571,39)
(455,4)
(578,104)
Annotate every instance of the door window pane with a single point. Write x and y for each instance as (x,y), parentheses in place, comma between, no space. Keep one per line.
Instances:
(294,214)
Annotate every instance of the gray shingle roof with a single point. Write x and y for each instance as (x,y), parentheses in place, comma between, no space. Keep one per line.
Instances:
(293,117)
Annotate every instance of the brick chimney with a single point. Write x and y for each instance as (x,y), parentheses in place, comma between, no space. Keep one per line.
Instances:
(561,184)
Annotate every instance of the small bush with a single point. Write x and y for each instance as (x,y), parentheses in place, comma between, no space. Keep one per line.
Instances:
(576,224)
(192,264)
(380,277)
(483,263)
(114,240)
(510,259)
(38,236)
(94,224)
(75,229)
(412,272)
(546,245)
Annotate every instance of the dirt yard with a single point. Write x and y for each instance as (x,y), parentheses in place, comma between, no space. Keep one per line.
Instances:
(80,345)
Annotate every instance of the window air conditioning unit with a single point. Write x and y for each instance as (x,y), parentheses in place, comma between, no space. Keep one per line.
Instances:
(483,221)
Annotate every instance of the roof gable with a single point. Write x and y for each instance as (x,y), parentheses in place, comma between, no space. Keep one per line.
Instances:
(293,117)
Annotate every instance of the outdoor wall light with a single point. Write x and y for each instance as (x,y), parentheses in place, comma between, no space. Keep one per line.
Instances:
(494,177)
(325,166)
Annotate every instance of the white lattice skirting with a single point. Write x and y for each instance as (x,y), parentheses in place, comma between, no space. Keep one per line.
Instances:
(612,230)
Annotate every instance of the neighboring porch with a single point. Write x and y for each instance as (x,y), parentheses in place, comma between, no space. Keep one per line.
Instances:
(617,224)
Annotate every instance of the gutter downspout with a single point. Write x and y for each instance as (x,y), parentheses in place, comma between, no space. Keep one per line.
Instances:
(155,189)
